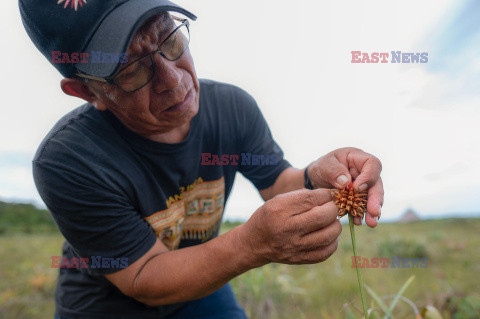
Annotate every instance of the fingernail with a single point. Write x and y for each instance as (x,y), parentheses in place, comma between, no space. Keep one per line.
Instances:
(342,180)
(379,211)
(376,219)
(362,187)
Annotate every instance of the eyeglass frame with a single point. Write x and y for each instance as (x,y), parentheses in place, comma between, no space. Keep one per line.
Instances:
(111,80)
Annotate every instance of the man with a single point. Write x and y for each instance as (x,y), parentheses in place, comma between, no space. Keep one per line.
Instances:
(123,177)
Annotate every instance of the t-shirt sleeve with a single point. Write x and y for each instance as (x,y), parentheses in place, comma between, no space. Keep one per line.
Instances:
(95,219)
(261,158)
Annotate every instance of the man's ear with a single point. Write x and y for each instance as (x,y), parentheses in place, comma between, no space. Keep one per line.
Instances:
(78,88)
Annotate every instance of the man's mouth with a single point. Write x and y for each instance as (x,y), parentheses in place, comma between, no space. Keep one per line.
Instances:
(179,107)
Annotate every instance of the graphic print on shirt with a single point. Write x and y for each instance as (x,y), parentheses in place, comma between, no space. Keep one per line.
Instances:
(194,214)
(73,3)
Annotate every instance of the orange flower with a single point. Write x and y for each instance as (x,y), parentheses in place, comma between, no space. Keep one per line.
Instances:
(350,201)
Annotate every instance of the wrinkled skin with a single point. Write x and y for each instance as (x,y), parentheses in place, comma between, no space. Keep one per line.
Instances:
(145,111)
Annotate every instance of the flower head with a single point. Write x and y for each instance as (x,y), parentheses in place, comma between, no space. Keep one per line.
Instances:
(350,201)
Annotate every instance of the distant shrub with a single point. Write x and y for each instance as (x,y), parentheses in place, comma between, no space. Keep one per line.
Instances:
(3,228)
(24,218)
(464,307)
(231,224)
(402,247)
(436,236)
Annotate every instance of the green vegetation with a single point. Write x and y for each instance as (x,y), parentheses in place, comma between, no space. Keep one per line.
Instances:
(326,290)
(25,218)
(465,307)
(330,289)
(406,248)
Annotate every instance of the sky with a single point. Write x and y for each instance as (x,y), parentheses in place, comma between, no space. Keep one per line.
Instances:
(420,120)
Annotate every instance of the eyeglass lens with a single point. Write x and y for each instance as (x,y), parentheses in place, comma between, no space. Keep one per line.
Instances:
(140,72)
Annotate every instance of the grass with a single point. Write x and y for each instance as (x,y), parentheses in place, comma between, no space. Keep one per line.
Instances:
(322,290)
(326,290)
(27,282)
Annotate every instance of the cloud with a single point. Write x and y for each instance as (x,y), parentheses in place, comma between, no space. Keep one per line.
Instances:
(420,120)
(16,180)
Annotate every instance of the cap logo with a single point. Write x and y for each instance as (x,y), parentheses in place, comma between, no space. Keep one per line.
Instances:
(73,3)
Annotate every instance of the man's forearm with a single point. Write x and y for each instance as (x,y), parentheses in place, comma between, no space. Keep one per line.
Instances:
(289,180)
(193,272)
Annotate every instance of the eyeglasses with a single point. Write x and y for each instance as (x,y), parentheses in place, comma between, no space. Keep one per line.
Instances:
(140,72)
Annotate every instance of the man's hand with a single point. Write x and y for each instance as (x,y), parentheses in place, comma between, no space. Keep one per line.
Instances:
(298,227)
(338,168)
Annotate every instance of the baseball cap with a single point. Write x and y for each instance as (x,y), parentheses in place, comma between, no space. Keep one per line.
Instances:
(72,27)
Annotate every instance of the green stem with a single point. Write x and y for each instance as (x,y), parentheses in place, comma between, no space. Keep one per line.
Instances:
(359,275)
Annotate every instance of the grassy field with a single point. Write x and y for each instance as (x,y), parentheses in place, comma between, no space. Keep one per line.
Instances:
(450,283)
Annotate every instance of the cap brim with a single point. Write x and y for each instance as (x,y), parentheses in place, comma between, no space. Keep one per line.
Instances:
(117,30)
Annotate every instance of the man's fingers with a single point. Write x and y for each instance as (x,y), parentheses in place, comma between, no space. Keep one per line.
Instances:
(330,171)
(374,204)
(370,220)
(322,237)
(319,255)
(300,201)
(375,198)
(357,220)
(320,196)
(354,172)
(370,168)
(316,218)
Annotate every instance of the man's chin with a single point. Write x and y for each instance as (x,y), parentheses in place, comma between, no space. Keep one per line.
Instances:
(172,120)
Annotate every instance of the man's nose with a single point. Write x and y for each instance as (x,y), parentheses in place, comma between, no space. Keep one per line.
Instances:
(167,75)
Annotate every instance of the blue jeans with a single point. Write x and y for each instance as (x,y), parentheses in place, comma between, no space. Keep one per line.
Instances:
(219,305)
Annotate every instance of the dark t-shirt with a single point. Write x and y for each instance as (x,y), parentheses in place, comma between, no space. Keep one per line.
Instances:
(112,192)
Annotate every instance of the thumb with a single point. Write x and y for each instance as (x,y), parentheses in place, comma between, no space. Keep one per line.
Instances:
(342,179)
(328,171)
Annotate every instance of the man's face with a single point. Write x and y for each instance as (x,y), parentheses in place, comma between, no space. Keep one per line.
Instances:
(169,101)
